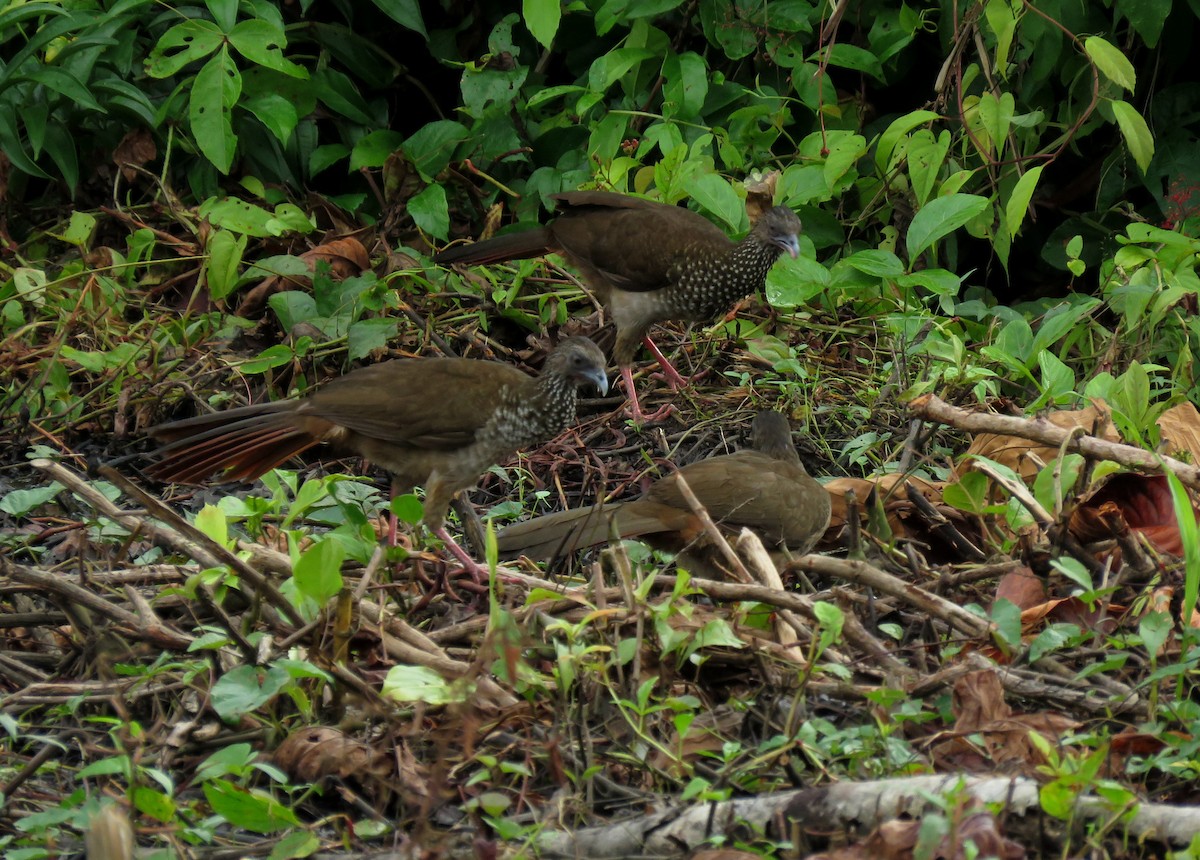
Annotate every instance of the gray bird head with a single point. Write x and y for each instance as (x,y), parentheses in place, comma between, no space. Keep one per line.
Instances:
(580,361)
(781,228)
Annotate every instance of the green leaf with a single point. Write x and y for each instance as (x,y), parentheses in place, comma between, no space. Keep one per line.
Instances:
(793,281)
(211,521)
(940,217)
(1136,133)
(1189,534)
(421,684)
(925,155)
(996,115)
(365,336)
(1111,62)
(245,688)
(895,131)
(406,13)
(248,809)
(1018,201)
(372,150)
(969,493)
(184,43)
(1006,616)
(718,197)
(1155,628)
(318,571)
(274,111)
(214,93)
(430,211)
(262,42)
(408,509)
(859,59)
(686,85)
(20,502)
(63,82)
(542,18)
(881,264)
(222,262)
(432,146)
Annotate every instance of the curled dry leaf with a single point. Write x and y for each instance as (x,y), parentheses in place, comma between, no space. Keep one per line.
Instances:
(346,258)
(135,149)
(760,194)
(1022,587)
(1179,429)
(980,710)
(312,754)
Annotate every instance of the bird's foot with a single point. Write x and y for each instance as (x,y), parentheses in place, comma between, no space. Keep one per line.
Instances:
(478,572)
(635,409)
(671,376)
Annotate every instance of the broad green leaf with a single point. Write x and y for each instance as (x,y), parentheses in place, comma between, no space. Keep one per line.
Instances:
(1018,201)
(421,684)
(20,502)
(853,57)
(63,82)
(222,262)
(365,336)
(408,509)
(718,197)
(1147,17)
(881,264)
(318,572)
(262,42)
(274,111)
(214,93)
(249,809)
(184,43)
(246,688)
(211,521)
(686,85)
(406,13)
(999,16)
(793,281)
(996,115)
(1111,62)
(429,211)
(542,18)
(925,156)
(939,218)
(431,147)
(1189,534)
(1136,133)
(372,150)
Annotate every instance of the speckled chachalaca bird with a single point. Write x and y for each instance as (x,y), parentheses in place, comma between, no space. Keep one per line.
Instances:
(765,489)
(436,422)
(646,262)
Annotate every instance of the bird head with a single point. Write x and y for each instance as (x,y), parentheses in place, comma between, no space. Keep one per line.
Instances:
(782,228)
(581,362)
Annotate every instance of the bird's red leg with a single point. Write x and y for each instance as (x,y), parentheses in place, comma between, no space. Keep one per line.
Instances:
(478,572)
(669,373)
(635,409)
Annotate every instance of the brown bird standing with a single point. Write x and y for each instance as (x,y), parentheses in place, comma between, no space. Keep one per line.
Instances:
(437,422)
(766,490)
(646,262)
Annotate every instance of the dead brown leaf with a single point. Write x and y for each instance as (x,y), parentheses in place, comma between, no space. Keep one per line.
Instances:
(136,148)
(1026,457)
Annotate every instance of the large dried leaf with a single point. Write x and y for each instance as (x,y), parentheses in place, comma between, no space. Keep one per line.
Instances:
(1026,457)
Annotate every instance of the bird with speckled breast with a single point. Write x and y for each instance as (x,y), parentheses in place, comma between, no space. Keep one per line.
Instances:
(435,422)
(647,262)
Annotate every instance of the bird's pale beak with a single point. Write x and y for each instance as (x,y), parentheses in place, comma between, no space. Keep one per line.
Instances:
(791,244)
(598,379)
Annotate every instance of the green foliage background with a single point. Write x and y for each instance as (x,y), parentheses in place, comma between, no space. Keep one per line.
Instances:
(971,175)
